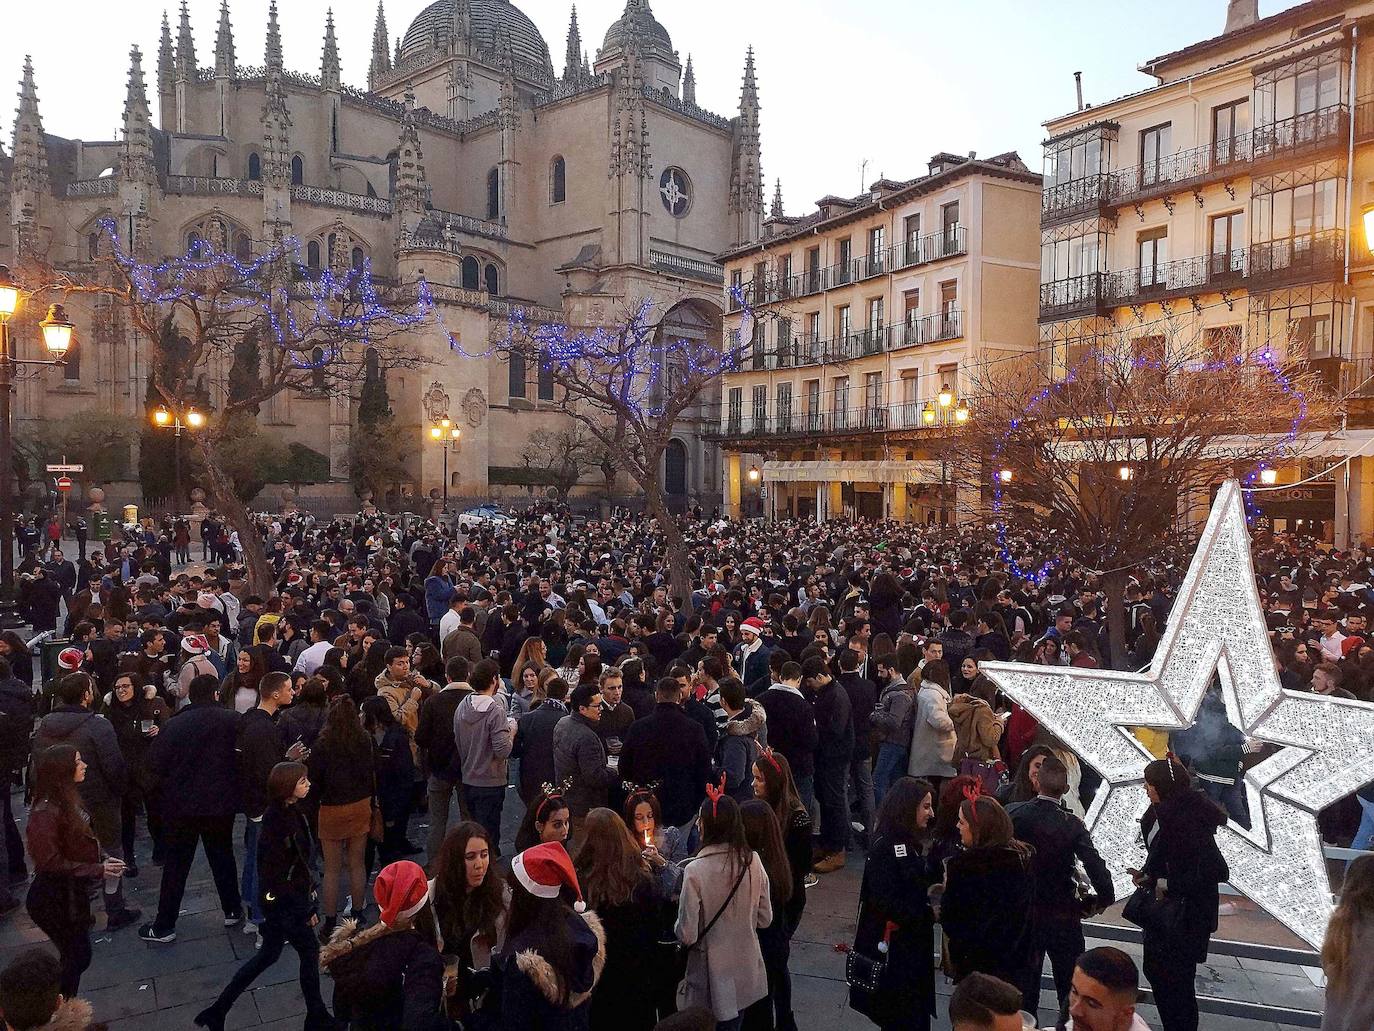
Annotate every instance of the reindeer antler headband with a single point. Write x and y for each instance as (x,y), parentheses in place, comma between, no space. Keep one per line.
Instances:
(972,793)
(767,753)
(552,793)
(636,793)
(715,792)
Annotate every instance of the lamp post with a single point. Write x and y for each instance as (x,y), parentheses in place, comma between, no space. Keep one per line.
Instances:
(444,432)
(164,419)
(57,338)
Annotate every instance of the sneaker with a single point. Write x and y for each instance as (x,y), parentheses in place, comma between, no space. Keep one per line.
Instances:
(126,916)
(857,827)
(810,881)
(150,934)
(233,919)
(831,863)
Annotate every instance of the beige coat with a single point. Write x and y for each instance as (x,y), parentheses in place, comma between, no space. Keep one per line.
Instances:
(976,727)
(725,971)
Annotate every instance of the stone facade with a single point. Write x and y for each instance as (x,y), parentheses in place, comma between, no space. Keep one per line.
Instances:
(467,160)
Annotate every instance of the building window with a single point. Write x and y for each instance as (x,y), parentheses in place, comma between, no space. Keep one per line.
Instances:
(1226,250)
(297,171)
(813,404)
(813,269)
(911,398)
(356,259)
(312,255)
(911,236)
(877,248)
(517,375)
(254,167)
(784,342)
(71,361)
(736,410)
(317,368)
(949,297)
(758,359)
(840,416)
(873,399)
(472,273)
(1220,343)
(194,245)
(1155,147)
(491,281)
(1153,254)
(558,181)
(243,247)
(545,385)
(494,194)
(92,246)
(949,219)
(875,314)
(760,406)
(784,413)
(844,270)
(1229,123)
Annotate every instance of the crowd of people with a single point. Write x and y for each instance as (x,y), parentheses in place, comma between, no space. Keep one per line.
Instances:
(686,767)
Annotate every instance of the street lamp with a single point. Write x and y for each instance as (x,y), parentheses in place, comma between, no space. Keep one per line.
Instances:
(754,474)
(1005,475)
(928,416)
(57,338)
(961,414)
(166,419)
(1126,473)
(945,396)
(1269,476)
(450,436)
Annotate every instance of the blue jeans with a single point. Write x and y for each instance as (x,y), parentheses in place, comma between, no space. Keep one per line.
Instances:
(248,882)
(484,803)
(806,790)
(891,766)
(1364,837)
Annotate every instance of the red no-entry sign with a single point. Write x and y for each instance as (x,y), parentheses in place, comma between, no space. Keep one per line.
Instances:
(64,484)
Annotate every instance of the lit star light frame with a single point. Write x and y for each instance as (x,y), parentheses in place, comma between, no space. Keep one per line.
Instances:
(1217,626)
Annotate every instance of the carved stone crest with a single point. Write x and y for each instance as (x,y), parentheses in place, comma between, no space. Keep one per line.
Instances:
(436,402)
(475,407)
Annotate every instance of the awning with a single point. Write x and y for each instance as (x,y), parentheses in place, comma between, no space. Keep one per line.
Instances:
(852,471)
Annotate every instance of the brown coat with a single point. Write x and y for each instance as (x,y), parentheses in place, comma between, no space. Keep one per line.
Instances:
(465,643)
(976,727)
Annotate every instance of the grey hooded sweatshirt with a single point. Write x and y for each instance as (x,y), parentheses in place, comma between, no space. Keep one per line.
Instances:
(484,740)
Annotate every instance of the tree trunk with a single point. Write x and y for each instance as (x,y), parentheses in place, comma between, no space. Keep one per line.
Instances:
(1114,586)
(679,572)
(260,578)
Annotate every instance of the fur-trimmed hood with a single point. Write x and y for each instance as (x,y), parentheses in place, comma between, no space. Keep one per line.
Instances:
(749,722)
(589,953)
(346,937)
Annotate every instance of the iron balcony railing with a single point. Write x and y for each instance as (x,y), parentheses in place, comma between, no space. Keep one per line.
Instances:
(929,329)
(1075,296)
(1299,259)
(1364,117)
(924,415)
(1208,272)
(1298,136)
(802,350)
(921,250)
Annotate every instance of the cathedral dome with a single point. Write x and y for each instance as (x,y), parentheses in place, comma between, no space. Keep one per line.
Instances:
(637,21)
(492,21)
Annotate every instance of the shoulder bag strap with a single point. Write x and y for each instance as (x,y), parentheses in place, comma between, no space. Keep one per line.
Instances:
(726,904)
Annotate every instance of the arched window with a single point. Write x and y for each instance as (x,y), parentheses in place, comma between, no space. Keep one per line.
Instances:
(472,273)
(491,281)
(329,255)
(517,375)
(194,244)
(297,171)
(317,368)
(558,181)
(312,254)
(93,246)
(356,259)
(254,166)
(493,194)
(243,247)
(545,385)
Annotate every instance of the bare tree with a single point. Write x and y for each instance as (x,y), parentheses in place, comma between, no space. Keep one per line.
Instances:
(560,457)
(238,333)
(627,386)
(1099,462)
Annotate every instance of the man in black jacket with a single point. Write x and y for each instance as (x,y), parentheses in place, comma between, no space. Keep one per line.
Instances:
(534,739)
(834,749)
(72,723)
(260,747)
(194,766)
(792,729)
(16,727)
(434,735)
(1059,838)
(863,698)
(406,619)
(669,747)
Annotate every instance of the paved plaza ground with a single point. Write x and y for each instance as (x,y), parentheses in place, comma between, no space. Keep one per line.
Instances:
(136,986)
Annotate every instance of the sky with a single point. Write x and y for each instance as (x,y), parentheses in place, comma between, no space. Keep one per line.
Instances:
(849,91)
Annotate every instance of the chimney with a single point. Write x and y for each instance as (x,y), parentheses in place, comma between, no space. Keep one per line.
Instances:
(1078,87)
(1241,14)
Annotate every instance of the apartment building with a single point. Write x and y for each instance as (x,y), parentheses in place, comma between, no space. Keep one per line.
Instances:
(1225,202)
(864,321)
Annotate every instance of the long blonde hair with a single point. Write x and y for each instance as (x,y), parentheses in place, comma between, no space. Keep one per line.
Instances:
(1356,907)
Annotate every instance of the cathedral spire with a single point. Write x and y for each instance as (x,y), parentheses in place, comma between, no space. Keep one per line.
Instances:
(746,187)
(410,162)
(331,74)
(462,21)
(166,59)
(137,162)
(572,61)
(689,84)
(30,150)
(186,47)
(224,44)
(274,55)
(381,56)
(776,210)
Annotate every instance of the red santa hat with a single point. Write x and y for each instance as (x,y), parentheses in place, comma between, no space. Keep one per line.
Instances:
(400,890)
(545,870)
(70,658)
(196,644)
(753,624)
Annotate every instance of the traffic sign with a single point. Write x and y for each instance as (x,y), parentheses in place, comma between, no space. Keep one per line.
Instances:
(66,468)
(64,484)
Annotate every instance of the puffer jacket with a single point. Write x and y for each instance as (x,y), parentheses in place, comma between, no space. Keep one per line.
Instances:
(977,730)
(579,758)
(893,715)
(746,733)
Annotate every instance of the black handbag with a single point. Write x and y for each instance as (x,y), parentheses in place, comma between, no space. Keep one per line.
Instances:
(1150,912)
(863,974)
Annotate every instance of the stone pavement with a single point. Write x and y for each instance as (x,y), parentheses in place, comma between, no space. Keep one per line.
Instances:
(135,986)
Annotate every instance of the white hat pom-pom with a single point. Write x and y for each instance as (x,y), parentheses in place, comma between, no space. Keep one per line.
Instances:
(579,906)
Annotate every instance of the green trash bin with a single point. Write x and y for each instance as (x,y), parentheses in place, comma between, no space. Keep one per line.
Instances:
(100,525)
(47,660)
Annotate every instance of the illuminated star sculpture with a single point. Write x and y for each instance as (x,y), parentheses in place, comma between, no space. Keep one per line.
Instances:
(1217,626)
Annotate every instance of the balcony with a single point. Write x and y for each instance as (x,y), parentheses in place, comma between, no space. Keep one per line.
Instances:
(929,329)
(1300,259)
(1075,297)
(1207,273)
(1078,198)
(922,250)
(925,416)
(1301,136)
(1182,170)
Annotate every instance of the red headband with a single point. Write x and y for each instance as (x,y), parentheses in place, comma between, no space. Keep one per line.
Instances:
(715,793)
(767,753)
(551,794)
(973,792)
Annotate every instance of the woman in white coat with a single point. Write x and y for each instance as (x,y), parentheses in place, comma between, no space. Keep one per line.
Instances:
(932,733)
(724,902)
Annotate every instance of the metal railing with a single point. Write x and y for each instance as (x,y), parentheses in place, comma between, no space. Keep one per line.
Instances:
(1296,259)
(1300,134)
(802,350)
(921,250)
(1075,198)
(328,198)
(1179,170)
(929,329)
(691,268)
(1222,271)
(923,415)
(1074,296)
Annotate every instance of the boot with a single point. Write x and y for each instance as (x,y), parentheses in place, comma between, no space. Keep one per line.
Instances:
(320,1020)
